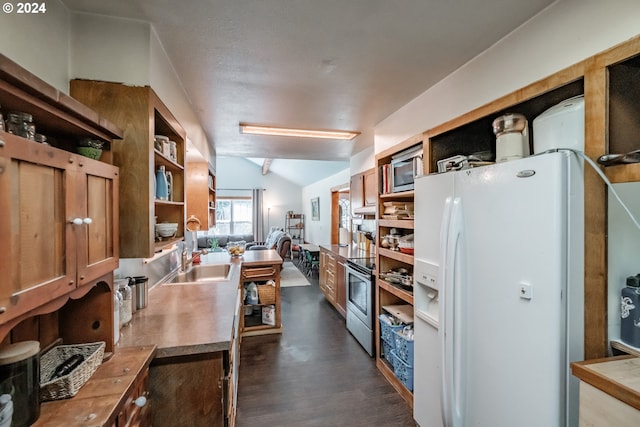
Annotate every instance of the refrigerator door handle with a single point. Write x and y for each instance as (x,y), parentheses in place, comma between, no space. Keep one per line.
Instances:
(457,303)
(443,278)
(450,330)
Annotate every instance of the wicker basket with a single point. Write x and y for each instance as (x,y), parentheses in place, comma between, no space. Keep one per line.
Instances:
(267,294)
(68,385)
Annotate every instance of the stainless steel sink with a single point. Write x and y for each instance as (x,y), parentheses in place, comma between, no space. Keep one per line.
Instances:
(203,273)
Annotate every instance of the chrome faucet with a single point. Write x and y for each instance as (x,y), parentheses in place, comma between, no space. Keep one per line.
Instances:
(184,264)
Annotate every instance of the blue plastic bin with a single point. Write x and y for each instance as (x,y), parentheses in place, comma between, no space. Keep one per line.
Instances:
(386,351)
(402,371)
(386,330)
(404,347)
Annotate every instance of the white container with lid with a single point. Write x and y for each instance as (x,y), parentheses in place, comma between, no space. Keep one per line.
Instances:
(117,302)
(122,285)
(512,137)
(561,126)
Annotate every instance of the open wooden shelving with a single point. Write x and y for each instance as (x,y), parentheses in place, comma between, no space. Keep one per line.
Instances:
(387,293)
(142,115)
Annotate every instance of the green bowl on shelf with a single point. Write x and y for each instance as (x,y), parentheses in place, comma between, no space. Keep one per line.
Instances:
(90,152)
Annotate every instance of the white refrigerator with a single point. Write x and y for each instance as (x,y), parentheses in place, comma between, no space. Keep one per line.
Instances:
(498,294)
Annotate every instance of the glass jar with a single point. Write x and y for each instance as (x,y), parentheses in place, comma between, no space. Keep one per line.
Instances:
(14,123)
(125,306)
(21,124)
(28,127)
(173,151)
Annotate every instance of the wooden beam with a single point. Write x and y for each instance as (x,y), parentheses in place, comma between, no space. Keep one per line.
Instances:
(266,165)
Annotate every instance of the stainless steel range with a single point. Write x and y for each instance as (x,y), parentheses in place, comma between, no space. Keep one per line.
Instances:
(360,303)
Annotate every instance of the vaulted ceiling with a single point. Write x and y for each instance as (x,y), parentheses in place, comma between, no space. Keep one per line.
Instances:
(328,64)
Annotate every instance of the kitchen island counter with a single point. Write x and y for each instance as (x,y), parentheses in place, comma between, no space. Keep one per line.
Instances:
(193,318)
(195,327)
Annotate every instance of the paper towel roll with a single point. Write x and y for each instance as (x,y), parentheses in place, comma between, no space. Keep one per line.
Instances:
(344,236)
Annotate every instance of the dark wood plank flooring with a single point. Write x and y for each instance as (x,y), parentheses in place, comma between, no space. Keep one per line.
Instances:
(314,374)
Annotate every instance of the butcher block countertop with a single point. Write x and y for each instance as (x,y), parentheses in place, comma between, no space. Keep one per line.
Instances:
(617,376)
(195,318)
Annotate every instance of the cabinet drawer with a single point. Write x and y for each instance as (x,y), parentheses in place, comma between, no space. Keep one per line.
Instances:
(132,414)
(259,272)
(331,278)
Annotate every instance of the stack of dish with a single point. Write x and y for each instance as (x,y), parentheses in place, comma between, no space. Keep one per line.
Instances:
(166,229)
(405,244)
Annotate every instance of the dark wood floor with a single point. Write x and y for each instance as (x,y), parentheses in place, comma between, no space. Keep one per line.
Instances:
(314,374)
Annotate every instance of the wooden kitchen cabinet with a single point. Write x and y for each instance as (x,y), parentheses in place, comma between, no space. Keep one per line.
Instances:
(201,194)
(233,369)
(363,192)
(370,184)
(59,209)
(327,281)
(142,115)
(189,390)
(59,222)
(341,286)
(333,280)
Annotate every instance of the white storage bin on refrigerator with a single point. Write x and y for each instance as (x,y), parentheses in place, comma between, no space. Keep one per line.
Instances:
(561,126)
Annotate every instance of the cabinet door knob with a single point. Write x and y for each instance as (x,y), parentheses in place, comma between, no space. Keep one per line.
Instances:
(140,401)
(87,220)
(76,221)
(3,309)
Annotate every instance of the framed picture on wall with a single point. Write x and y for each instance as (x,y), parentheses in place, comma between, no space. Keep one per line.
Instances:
(315,209)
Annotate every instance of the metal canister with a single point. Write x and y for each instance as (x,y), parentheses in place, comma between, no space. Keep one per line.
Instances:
(134,294)
(142,291)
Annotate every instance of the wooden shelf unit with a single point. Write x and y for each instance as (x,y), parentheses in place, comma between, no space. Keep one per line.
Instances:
(294,227)
(251,324)
(387,259)
(143,115)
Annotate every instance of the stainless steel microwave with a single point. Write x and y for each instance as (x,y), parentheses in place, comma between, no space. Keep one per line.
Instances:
(405,167)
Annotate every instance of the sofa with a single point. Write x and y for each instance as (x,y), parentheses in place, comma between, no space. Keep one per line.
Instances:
(204,242)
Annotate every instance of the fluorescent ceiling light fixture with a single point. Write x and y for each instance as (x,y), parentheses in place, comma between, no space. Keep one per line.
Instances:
(254,129)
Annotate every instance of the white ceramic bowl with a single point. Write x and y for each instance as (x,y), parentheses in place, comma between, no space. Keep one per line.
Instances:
(166,229)
(167,225)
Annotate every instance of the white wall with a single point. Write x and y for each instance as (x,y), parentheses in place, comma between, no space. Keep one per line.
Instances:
(280,195)
(109,49)
(164,80)
(563,34)
(319,232)
(362,161)
(39,43)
